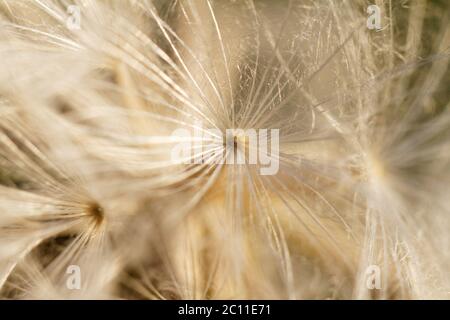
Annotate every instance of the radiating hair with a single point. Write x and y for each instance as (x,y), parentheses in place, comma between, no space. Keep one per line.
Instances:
(358,208)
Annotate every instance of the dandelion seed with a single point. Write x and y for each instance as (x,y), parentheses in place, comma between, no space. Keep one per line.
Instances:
(339,138)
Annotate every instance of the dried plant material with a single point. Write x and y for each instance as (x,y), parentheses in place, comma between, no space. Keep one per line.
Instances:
(213,149)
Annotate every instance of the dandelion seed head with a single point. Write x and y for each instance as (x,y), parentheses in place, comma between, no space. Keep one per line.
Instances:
(91,112)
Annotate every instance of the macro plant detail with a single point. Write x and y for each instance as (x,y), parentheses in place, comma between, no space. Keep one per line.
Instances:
(120,121)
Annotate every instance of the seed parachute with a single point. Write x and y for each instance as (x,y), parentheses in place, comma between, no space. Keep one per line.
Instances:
(219,149)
